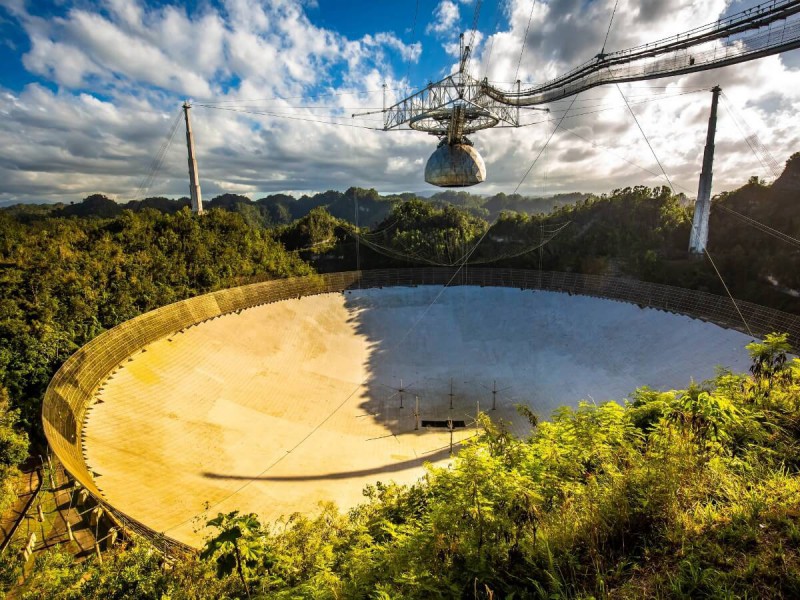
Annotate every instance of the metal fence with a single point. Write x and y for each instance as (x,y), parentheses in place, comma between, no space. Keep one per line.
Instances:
(73,390)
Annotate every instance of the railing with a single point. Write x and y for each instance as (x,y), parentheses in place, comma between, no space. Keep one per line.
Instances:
(72,392)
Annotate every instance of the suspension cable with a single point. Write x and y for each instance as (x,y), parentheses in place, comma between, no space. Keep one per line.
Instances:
(672,188)
(611,22)
(561,120)
(644,135)
(338,407)
(763,227)
(590,112)
(524,40)
(476,15)
(488,60)
(407,255)
(292,118)
(758,149)
(208,101)
(760,226)
(158,160)
(413,35)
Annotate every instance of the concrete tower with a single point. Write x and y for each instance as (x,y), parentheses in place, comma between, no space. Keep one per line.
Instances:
(194,178)
(702,207)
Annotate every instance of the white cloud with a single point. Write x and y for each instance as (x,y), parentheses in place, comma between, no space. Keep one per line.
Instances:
(445,18)
(454,48)
(120,74)
(565,33)
(165,49)
(127,12)
(409,52)
(66,144)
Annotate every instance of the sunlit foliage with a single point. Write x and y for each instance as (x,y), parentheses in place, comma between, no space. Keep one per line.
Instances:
(64,280)
(678,494)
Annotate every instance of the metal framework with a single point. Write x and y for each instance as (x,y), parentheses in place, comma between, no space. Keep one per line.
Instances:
(451,108)
(431,109)
(750,34)
(769,28)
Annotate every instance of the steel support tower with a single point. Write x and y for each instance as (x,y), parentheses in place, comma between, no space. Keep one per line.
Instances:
(194,179)
(702,207)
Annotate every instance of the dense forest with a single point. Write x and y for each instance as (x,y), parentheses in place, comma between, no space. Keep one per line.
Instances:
(66,279)
(676,494)
(282,209)
(635,232)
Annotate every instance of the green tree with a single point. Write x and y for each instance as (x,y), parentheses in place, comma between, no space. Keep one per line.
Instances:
(769,359)
(240,545)
(705,415)
(13,449)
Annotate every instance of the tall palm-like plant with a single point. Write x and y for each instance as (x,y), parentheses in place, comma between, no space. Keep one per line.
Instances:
(769,359)
(239,545)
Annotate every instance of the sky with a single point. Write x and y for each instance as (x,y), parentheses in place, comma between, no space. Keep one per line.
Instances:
(90,89)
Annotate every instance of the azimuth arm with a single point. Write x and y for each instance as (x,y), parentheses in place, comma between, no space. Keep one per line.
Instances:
(711,46)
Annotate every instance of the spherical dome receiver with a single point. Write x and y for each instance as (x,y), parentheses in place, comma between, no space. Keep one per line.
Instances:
(456,165)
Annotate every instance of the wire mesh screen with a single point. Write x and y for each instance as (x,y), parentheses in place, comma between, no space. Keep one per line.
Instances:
(74,387)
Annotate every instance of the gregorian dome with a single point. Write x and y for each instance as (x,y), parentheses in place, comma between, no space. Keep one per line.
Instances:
(455,165)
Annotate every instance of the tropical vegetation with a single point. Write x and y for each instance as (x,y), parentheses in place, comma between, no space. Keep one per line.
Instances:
(691,493)
(683,493)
